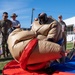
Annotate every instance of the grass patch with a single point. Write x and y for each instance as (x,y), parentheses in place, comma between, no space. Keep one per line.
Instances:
(3,62)
(69,45)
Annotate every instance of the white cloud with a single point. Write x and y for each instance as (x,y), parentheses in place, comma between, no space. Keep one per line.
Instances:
(12,5)
(20,7)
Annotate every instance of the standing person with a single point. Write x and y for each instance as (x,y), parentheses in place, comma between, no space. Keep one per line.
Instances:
(64,29)
(5,24)
(15,23)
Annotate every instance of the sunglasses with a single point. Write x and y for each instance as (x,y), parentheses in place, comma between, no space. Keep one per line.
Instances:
(5,16)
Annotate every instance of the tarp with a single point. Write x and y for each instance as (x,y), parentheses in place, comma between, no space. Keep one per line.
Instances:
(13,68)
(67,66)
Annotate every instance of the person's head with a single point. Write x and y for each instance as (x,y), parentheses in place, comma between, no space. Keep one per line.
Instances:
(36,19)
(60,17)
(42,17)
(13,16)
(5,15)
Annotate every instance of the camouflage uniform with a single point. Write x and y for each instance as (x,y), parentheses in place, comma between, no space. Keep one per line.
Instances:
(4,26)
(64,32)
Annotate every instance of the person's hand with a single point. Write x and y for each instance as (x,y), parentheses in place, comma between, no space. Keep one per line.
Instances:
(18,26)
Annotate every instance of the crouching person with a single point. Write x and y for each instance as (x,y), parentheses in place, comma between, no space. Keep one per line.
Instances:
(35,48)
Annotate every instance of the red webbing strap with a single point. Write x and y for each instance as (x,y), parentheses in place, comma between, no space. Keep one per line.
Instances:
(37,66)
(26,53)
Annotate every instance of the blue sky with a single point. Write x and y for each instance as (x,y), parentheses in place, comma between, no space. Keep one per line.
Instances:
(23,8)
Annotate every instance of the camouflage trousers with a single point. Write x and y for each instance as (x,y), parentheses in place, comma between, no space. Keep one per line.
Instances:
(5,46)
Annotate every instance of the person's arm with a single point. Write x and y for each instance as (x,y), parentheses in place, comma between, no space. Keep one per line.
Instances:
(10,24)
(18,25)
(0,26)
(65,27)
(53,32)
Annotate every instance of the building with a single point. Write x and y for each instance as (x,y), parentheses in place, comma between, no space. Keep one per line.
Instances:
(70,22)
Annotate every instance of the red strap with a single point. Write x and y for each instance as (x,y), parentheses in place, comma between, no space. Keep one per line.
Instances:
(37,66)
(26,53)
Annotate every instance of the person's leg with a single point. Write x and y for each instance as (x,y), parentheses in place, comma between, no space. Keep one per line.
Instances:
(65,40)
(62,60)
(71,54)
(6,47)
(3,46)
(74,44)
(7,50)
